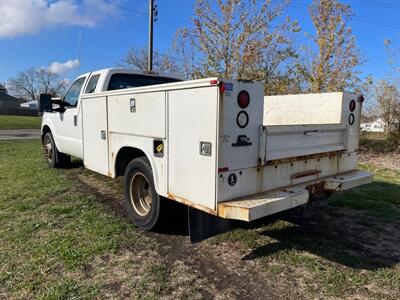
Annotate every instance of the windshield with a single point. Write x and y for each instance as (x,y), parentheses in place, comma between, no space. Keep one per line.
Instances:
(124,81)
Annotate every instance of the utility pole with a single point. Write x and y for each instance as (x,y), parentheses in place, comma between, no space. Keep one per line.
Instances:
(151,21)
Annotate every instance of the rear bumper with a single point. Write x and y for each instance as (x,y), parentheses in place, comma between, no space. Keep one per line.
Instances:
(260,205)
(348,181)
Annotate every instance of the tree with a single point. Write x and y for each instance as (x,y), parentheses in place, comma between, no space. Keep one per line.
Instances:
(29,84)
(332,67)
(137,58)
(236,39)
(388,99)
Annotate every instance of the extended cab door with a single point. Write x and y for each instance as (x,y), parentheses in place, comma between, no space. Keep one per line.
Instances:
(68,124)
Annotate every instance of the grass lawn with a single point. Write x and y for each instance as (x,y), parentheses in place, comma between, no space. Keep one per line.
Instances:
(61,241)
(380,199)
(49,232)
(20,122)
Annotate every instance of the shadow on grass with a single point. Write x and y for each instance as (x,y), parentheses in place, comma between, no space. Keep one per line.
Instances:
(75,164)
(355,242)
(175,215)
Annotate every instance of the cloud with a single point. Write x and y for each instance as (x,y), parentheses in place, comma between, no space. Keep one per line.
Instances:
(60,68)
(31,16)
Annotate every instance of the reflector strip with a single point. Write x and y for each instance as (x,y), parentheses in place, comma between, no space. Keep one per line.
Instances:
(221,170)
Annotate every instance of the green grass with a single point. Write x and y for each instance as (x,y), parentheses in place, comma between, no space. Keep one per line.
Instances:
(380,199)
(20,122)
(49,231)
(156,280)
(376,142)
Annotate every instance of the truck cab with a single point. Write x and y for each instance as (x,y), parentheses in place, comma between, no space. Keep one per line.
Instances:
(65,122)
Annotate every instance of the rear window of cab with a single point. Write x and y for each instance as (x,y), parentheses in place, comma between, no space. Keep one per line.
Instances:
(125,81)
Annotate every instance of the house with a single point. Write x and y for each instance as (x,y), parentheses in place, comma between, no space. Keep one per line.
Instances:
(10,105)
(377,125)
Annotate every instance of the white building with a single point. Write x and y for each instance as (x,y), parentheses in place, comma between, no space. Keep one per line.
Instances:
(376,125)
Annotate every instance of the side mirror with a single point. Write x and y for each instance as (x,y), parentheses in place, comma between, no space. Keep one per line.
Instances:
(59,103)
(44,103)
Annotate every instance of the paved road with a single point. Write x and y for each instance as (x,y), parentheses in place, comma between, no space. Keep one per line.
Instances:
(19,134)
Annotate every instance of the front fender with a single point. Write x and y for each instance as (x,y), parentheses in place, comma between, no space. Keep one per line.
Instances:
(48,122)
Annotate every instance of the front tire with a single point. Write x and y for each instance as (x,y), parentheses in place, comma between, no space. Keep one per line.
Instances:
(53,157)
(141,199)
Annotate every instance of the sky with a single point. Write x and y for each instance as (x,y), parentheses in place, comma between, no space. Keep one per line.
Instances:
(71,37)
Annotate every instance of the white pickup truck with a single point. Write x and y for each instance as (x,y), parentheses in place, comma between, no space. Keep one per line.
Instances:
(216,145)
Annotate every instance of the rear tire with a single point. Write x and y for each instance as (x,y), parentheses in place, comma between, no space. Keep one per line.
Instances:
(142,202)
(53,157)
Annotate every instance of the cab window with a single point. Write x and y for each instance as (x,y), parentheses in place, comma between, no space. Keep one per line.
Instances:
(125,81)
(72,96)
(91,86)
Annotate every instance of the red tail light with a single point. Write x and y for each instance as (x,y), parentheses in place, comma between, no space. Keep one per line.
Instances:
(243,99)
(213,82)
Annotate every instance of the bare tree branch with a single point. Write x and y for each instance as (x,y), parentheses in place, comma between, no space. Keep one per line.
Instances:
(29,84)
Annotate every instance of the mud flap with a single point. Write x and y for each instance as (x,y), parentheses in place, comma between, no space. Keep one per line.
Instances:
(203,225)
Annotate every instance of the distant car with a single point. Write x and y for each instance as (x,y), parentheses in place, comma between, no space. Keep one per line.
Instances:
(33,104)
(375,126)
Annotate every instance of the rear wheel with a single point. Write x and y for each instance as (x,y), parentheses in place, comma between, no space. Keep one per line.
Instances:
(53,157)
(141,199)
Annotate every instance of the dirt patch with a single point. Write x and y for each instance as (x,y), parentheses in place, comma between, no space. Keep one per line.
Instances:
(384,160)
(375,242)
(194,270)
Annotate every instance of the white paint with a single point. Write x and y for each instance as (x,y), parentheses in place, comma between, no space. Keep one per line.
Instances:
(95,138)
(303,109)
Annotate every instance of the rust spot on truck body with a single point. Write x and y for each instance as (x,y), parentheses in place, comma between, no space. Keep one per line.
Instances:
(191,204)
(240,213)
(304,157)
(306,174)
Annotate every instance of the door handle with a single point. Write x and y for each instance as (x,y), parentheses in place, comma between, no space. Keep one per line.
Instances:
(311,132)
(103,134)
(75,120)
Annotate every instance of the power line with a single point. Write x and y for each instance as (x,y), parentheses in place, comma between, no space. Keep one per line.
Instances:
(131,10)
(381,4)
(359,18)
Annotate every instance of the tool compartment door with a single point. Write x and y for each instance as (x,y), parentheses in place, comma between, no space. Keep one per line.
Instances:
(95,134)
(192,120)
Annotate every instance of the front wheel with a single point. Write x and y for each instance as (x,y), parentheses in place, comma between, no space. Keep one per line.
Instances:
(141,199)
(53,157)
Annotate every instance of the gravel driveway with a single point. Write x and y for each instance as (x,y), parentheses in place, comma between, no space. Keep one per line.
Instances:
(19,134)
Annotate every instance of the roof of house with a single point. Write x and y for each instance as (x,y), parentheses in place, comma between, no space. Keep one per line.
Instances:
(3,88)
(6,97)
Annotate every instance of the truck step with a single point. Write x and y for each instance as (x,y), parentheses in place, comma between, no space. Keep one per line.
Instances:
(264,204)
(347,181)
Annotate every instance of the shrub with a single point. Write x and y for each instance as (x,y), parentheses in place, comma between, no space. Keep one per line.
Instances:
(393,141)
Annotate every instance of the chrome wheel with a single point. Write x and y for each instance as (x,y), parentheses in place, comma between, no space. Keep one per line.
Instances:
(140,194)
(48,149)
